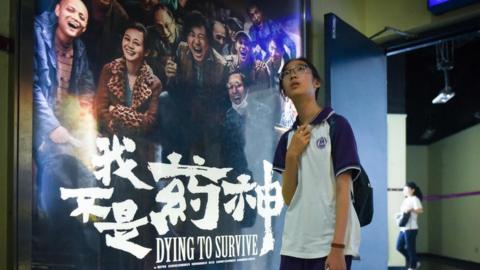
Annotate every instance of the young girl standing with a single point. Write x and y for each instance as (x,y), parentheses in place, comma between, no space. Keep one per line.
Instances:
(321,228)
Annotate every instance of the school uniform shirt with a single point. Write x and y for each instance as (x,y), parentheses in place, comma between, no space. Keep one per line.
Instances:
(411,202)
(310,218)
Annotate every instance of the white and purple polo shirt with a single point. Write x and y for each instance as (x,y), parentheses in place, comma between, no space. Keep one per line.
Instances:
(310,217)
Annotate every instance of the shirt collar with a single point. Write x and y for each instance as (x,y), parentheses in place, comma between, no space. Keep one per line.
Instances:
(322,116)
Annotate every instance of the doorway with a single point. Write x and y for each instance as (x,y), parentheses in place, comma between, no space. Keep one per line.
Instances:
(433,80)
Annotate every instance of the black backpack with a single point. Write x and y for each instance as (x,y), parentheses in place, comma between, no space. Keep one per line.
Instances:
(362,196)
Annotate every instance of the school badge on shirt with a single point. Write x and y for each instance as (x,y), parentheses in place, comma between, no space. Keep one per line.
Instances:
(321,142)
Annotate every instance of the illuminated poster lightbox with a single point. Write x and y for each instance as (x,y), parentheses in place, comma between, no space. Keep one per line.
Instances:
(154,126)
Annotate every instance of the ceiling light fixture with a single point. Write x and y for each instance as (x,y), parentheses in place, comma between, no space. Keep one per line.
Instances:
(446,93)
(444,52)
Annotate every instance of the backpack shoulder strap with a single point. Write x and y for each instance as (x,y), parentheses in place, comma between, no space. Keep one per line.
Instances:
(332,123)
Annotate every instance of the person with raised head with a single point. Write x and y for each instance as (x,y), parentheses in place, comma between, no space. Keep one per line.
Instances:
(406,241)
(321,230)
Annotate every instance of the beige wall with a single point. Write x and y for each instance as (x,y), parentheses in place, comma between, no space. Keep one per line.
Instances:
(454,168)
(403,15)
(449,227)
(397,144)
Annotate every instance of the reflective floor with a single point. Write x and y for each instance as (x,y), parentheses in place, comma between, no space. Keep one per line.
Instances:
(429,262)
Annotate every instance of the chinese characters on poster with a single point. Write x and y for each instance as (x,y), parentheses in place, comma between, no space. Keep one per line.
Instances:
(155,123)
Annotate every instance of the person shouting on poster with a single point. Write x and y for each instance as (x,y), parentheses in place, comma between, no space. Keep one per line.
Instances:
(244,61)
(321,229)
(195,83)
(63,91)
(61,69)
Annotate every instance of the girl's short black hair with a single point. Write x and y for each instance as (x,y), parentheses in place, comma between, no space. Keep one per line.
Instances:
(416,190)
(307,62)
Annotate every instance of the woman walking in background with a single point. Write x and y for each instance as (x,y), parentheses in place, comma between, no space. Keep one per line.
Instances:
(406,242)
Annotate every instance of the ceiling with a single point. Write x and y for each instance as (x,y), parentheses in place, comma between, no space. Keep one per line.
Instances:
(427,122)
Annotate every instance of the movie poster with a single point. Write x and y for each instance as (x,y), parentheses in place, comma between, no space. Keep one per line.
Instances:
(154,128)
